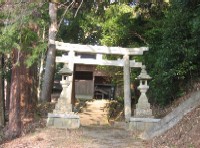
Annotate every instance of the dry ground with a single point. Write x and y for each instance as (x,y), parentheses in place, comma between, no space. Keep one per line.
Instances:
(186,134)
(95,132)
(85,137)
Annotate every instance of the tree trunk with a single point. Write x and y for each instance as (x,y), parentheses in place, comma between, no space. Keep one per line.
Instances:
(7,90)
(32,83)
(28,87)
(41,71)
(40,76)
(2,105)
(7,80)
(14,126)
(23,95)
(51,55)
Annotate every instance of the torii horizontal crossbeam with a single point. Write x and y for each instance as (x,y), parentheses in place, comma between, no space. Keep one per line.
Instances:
(77,60)
(99,49)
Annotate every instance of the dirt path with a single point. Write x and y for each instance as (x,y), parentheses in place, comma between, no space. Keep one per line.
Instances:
(85,137)
(108,137)
(94,113)
(95,132)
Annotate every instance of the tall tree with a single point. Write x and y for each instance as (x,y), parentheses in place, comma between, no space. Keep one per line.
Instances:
(51,55)
(21,36)
(14,127)
(28,86)
(7,79)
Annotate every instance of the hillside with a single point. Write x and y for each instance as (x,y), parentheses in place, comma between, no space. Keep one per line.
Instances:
(184,134)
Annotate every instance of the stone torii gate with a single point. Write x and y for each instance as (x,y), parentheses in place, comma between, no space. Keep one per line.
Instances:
(126,63)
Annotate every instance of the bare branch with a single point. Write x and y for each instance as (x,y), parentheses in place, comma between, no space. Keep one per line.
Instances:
(63,15)
(140,37)
(78,8)
(62,5)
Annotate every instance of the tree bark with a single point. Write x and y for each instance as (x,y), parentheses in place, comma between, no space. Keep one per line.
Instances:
(31,97)
(51,55)
(40,75)
(14,126)
(2,105)
(23,95)
(7,80)
(7,90)
(28,87)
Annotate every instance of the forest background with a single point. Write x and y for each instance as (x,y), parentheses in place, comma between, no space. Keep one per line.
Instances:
(171,30)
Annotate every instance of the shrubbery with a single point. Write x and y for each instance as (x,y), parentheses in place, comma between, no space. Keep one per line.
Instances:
(173,59)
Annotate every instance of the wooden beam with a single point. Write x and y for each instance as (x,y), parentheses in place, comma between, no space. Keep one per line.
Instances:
(78,60)
(99,49)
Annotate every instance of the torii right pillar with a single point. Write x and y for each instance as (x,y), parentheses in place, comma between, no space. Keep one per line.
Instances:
(127,89)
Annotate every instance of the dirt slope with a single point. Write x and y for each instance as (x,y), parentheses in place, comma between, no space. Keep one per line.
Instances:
(186,134)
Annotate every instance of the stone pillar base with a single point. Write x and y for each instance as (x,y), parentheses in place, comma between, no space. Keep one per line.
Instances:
(141,124)
(66,121)
(143,113)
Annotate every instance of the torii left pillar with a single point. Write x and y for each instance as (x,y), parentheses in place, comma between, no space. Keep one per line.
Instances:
(127,89)
(71,54)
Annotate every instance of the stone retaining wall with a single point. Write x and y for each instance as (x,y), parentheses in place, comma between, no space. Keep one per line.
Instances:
(173,118)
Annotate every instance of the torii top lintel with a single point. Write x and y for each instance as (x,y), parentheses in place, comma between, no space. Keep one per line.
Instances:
(99,49)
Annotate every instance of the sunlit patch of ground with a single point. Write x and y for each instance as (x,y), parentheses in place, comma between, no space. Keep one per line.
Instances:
(95,132)
(85,137)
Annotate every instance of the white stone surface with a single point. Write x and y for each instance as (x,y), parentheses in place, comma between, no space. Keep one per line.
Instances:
(127,89)
(144,119)
(68,116)
(143,107)
(142,124)
(66,121)
(78,60)
(100,49)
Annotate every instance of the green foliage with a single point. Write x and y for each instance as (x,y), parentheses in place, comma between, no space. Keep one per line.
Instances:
(111,25)
(173,59)
(35,53)
(171,31)
(84,28)
(23,29)
(7,37)
(116,25)
(122,27)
